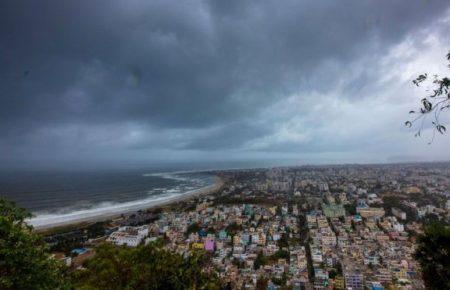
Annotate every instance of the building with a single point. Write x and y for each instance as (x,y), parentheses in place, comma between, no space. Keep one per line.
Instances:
(209,244)
(323,186)
(398,227)
(370,212)
(333,210)
(129,236)
(343,197)
(373,198)
(338,282)
(398,213)
(354,280)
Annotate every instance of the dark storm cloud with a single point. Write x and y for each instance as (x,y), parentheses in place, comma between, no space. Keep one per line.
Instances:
(205,69)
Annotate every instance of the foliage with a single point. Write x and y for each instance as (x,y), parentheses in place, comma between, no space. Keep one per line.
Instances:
(339,268)
(261,284)
(260,260)
(24,260)
(395,201)
(309,261)
(145,267)
(433,104)
(238,263)
(26,264)
(280,254)
(350,208)
(433,254)
(193,228)
(96,230)
(233,228)
(280,281)
(66,243)
(283,242)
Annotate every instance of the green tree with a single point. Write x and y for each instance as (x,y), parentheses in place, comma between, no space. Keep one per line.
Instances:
(24,260)
(283,242)
(260,260)
(193,228)
(145,267)
(433,254)
(261,283)
(280,254)
(333,273)
(433,104)
(350,208)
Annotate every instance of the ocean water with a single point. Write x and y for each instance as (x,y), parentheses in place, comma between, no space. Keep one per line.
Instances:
(60,197)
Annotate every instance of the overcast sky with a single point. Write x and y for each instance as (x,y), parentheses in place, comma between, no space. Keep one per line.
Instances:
(143,82)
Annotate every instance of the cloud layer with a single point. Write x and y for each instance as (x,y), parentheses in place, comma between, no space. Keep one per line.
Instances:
(312,81)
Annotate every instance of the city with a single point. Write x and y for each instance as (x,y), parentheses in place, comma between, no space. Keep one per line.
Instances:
(225,145)
(330,227)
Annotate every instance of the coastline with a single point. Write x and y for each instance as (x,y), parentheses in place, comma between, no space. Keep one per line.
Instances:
(82,220)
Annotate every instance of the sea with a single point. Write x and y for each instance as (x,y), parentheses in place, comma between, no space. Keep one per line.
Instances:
(59,197)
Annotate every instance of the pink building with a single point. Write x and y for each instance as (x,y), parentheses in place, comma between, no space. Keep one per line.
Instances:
(209,244)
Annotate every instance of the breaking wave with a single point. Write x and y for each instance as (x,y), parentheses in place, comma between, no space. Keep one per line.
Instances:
(84,211)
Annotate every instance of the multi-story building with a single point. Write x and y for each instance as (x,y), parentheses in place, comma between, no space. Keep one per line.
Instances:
(370,212)
(354,280)
(333,210)
(398,213)
(129,236)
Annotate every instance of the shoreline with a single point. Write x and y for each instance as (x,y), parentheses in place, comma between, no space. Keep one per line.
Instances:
(218,183)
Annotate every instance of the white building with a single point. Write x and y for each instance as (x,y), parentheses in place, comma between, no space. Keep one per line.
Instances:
(129,236)
(398,227)
(399,213)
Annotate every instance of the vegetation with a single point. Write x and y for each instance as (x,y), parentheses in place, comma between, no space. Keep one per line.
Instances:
(24,260)
(145,267)
(25,263)
(261,284)
(193,228)
(260,260)
(350,208)
(280,281)
(283,242)
(233,228)
(280,254)
(433,254)
(434,104)
(333,273)
(96,230)
(394,201)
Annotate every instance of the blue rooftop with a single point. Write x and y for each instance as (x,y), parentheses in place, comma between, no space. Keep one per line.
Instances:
(79,251)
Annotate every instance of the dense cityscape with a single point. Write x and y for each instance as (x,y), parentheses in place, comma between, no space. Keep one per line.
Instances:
(225,145)
(310,227)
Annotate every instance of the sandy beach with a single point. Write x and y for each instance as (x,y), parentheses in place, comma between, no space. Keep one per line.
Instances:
(43,223)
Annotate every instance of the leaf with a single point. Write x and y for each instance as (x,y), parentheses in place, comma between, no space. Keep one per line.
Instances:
(419,79)
(427,105)
(441,129)
(408,124)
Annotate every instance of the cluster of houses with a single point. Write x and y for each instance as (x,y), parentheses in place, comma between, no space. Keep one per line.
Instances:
(248,242)
(305,228)
(368,250)
(251,242)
